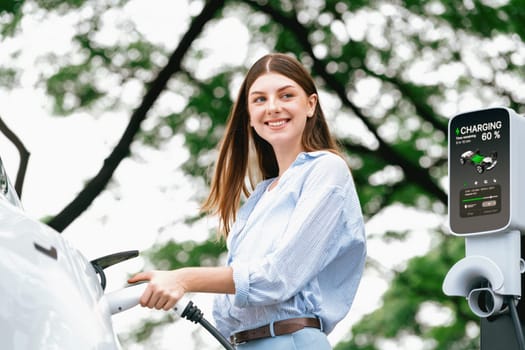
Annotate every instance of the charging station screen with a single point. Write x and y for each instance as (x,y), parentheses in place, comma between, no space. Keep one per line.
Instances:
(479,172)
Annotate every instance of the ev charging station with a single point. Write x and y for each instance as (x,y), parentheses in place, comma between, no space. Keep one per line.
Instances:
(486,206)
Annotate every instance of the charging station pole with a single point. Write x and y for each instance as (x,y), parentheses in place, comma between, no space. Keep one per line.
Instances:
(500,333)
(487,208)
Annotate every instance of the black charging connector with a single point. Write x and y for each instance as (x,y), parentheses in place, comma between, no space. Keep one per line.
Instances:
(192,313)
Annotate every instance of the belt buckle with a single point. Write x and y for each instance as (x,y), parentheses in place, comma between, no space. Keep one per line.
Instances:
(235,341)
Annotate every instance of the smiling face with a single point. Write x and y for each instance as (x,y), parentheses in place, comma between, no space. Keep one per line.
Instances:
(278,109)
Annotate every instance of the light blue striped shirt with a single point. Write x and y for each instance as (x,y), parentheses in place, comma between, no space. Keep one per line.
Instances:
(297,250)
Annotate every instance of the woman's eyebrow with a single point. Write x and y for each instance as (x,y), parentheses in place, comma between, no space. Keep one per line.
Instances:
(279,89)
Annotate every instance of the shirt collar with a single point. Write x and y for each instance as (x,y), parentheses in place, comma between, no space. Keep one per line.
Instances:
(305,156)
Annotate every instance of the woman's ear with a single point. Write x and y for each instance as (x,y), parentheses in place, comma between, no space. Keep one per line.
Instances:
(312,103)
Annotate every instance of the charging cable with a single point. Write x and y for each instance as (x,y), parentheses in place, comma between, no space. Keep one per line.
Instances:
(128,297)
(516,321)
(192,313)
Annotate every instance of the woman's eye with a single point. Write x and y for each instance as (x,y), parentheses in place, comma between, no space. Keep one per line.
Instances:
(259,99)
(287,95)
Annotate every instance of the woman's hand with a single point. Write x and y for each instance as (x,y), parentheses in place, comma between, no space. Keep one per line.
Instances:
(164,290)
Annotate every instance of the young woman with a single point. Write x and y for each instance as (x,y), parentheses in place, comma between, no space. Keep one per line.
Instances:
(296,247)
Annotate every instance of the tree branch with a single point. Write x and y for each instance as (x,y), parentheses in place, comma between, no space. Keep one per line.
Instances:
(22,151)
(97,184)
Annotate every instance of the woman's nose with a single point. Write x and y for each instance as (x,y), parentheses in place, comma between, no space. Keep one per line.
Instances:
(273,105)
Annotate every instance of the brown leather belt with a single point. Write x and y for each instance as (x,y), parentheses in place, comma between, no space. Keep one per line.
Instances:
(279,328)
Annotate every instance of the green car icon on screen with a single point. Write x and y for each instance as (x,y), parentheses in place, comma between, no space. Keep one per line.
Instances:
(481,163)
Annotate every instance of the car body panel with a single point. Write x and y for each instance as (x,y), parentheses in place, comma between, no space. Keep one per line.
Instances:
(51,297)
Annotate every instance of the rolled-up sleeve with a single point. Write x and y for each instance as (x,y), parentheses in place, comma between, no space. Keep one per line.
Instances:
(241,278)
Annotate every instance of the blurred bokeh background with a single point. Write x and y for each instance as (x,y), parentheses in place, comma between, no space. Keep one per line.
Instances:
(118,106)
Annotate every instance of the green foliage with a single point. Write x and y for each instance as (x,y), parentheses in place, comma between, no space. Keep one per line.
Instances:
(80,86)
(202,120)
(393,73)
(73,88)
(174,255)
(54,4)
(148,328)
(10,16)
(10,6)
(477,17)
(8,77)
(403,311)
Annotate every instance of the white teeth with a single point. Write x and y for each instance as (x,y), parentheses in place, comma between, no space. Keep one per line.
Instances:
(276,124)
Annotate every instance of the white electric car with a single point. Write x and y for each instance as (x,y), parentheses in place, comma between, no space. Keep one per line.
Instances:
(51,297)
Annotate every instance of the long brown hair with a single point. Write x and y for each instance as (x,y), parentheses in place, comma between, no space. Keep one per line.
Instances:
(232,167)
